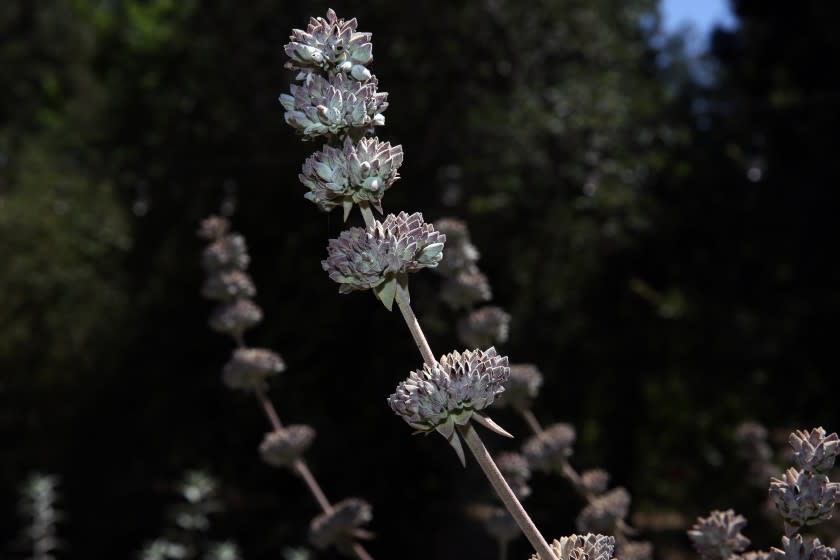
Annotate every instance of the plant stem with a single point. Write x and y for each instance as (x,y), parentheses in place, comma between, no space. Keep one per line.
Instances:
(532,421)
(503,549)
(491,471)
(414,326)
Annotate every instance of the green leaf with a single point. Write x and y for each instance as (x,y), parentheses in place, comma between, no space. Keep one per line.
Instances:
(386,291)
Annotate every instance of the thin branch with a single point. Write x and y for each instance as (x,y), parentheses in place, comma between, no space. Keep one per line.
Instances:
(532,421)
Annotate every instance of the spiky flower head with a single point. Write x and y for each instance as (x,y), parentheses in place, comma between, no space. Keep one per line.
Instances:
(213,227)
(803,498)
(604,512)
(461,254)
(798,548)
(226,285)
(380,256)
(226,253)
(485,326)
(451,392)
(334,106)
(283,447)
(582,547)
(359,172)
(522,387)
(465,289)
(516,470)
(635,550)
(235,317)
(718,536)
(548,450)
(331,45)
(342,525)
(595,481)
(814,451)
(248,368)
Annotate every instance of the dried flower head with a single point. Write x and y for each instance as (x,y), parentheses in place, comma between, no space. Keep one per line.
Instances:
(331,45)
(451,392)
(226,285)
(461,254)
(604,512)
(341,526)
(248,368)
(465,289)
(380,256)
(485,326)
(334,106)
(803,498)
(635,550)
(815,451)
(283,447)
(595,481)
(522,387)
(548,450)
(516,470)
(227,253)
(718,536)
(357,173)
(235,317)
(213,227)
(582,547)
(798,548)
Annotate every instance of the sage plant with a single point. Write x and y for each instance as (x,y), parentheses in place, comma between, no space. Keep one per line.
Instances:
(225,260)
(337,100)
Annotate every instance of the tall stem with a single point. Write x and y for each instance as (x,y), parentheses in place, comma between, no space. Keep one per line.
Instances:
(491,471)
(532,421)
(414,326)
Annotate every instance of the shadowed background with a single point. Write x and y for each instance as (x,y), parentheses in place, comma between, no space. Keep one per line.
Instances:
(657,224)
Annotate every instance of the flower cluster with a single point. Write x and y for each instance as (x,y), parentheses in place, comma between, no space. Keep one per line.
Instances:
(604,512)
(522,388)
(718,536)
(282,448)
(380,256)
(332,45)
(358,172)
(340,526)
(549,450)
(582,547)
(248,368)
(798,548)
(451,392)
(516,470)
(752,447)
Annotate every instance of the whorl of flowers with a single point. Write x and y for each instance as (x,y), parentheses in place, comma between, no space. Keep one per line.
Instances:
(333,106)
(582,547)
(212,228)
(485,326)
(235,317)
(380,256)
(604,512)
(359,172)
(465,289)
(226,253)
(330,45)
(461,253)
(283,447)
(815,451)
(522,387)
(451,392)
(548,450)
(516,470)
(797,548)
(340,526)
(595,481)
(226,285)
(718,536)
(248,368)
(803,497)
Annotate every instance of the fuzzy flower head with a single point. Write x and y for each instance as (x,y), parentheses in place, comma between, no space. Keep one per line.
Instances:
(235,317)
(226,253)
(548,450)
(451,392)
(522,387)
(516,470)
(582,547)
(332,45)
(342,525)
(797,548)
(358,173)
(213,227)
(465,289)
(284,447)
(462,254)
(334,106)
(803,498)
(595,481)
(227,285)
(248,368)
(815,451)
(485,326)
(605,512)
(380,257)
(718,536)
(751,439)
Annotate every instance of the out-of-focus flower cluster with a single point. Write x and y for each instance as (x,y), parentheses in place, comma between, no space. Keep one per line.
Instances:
(718,536)
(379,257)
(342,525)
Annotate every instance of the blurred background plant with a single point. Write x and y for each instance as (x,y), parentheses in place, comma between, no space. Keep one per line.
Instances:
(660,240)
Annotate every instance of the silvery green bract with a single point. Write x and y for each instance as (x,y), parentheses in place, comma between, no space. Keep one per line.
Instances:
(582,547)
(359,172)
(331,107)
(380,256)
(451,392)
(718,536)
(332,45)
